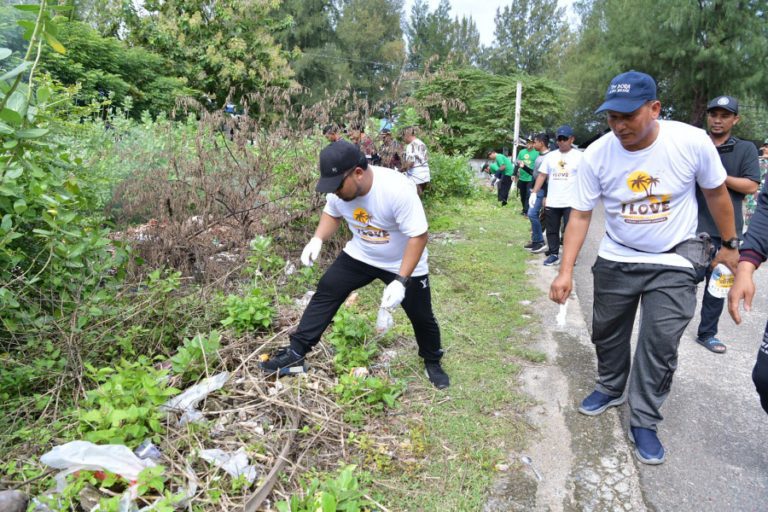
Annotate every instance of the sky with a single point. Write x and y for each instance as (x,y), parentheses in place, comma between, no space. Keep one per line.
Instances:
(482,11)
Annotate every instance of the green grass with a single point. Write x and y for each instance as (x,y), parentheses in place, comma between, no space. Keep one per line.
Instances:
(478,281)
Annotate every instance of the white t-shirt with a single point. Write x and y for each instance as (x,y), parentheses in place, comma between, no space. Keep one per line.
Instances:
(382,221)
(561,170)
(416,152)
(650,194)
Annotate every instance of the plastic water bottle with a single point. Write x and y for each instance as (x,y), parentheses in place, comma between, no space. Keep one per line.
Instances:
(721,281)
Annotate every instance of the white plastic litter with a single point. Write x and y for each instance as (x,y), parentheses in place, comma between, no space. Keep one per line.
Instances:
(85,456)
(235,464)
(384,321)
(187,402)
(721,281)
(561,314)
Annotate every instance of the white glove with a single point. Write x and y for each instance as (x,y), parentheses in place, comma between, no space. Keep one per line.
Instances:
(311,251)
(394,294)
(532,200)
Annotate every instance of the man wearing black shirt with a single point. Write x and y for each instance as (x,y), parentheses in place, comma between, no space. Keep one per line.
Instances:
(739,158)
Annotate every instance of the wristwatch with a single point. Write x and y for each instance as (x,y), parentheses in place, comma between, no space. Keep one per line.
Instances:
(731,243)
(403,280)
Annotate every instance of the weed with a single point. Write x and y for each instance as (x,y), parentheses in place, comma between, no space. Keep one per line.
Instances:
(124,408)
(349,338)
(254,312)
(343,493)
(197,356)
(369,395)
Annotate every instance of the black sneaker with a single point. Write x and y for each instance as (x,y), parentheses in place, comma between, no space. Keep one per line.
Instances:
(436,375)
(285,361)
(538,247)
(529,245)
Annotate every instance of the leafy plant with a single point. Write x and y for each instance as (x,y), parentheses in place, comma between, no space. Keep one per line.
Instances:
(261,260)
(451,177)
(342,493)
(197,356)
(252,312)
(349,337)
(124,409)
(369,395)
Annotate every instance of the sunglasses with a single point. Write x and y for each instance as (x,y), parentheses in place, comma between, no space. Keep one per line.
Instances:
(346,175)
(562,138)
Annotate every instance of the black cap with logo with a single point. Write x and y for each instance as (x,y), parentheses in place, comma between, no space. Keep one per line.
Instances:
(335,160)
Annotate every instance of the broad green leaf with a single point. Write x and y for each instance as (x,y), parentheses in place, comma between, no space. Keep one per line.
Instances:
(18,103)
(31,133)
(20,206)
(43,94)
(10,144)
(7,222)
(55,44)
(5,129)
(5,53)
(12,174)
(27,8)
(17,70)
(10,116)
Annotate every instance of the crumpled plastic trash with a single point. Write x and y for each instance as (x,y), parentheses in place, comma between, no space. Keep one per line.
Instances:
(384,321)
(187,402)
(85,456)
(562,314)
(148,450)
(234,464)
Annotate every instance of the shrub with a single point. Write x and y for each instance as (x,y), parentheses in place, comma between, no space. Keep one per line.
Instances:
(451,177)
(369,395)
(124,409)
(342,493)
(197,356)
(349,337)
(252,312)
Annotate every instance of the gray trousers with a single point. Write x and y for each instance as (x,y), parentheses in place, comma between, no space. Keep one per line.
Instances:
(667,296)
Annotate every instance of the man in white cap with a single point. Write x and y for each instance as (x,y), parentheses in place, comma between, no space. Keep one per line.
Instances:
(646,172)
(389,238)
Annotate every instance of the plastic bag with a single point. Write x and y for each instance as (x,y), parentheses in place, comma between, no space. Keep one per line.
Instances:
(82,455)
(234,464)
(384,321)
(187,402)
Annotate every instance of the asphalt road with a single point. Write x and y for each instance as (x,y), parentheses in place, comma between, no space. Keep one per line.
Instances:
(714,429)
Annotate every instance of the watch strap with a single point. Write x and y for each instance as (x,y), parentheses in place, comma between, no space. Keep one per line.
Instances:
(403,280)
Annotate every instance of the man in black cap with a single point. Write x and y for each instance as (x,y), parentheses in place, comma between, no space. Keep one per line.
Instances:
(739,158)
(389,228)
(645,171)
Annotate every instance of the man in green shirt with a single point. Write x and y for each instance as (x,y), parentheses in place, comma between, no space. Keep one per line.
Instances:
(526,159)
(507,170)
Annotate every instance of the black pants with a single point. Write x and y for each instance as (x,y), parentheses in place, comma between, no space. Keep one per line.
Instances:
(554,216)
(504,185)
(346,275)
(760,371)
(524,187)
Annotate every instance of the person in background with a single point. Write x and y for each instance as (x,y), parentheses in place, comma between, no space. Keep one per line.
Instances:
(416,164)
(331,133)
(537,245)
(559,169)
(363,142)
(739,158)
(505,169)
(390,150)
(526,159)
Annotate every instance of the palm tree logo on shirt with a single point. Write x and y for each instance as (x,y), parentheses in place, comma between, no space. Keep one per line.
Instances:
(641,181)
(361,216)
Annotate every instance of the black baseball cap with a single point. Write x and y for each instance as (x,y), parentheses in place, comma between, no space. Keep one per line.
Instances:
(728,103)
(335,160)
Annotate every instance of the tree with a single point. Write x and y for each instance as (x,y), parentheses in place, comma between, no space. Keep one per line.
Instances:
(318,63)
(526,32)
(436,38)
(371,37)
(477,108)
(695,50)
(224,49)
(105,65)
